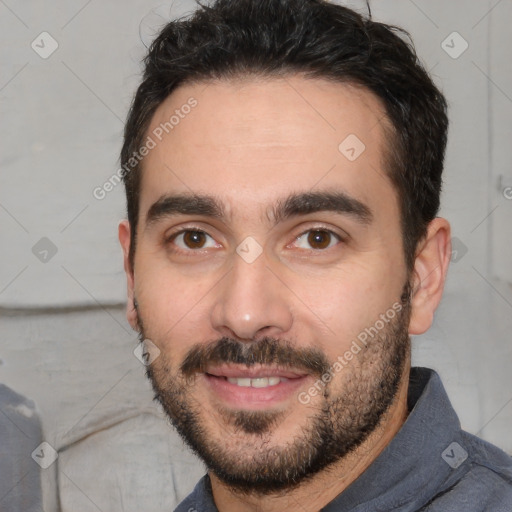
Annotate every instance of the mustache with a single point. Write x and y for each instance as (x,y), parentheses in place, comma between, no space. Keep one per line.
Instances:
(266,351)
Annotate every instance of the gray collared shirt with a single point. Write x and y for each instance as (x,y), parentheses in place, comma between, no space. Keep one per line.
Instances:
(431,465)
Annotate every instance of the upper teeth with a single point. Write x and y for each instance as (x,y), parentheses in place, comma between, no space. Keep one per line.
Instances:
(261,382)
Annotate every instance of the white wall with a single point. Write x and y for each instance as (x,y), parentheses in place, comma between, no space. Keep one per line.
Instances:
(61,123)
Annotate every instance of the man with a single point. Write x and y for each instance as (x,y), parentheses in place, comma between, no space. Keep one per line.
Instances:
(282,163)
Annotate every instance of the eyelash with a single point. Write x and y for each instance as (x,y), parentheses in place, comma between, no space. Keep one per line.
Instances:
(190,252)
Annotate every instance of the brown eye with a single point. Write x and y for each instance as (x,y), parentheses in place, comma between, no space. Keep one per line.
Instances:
(194,239)
(317,239)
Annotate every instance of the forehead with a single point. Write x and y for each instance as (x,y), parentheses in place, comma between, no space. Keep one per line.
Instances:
(251,140)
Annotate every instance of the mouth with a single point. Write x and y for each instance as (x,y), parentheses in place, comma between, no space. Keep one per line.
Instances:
(253,388)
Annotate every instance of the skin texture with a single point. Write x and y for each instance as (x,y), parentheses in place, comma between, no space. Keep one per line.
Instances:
(250,144)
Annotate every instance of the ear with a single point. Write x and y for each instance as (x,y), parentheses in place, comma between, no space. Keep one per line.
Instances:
(429,274)
(124,238)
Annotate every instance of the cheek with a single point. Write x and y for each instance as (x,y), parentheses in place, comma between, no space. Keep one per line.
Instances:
(172,306)
(341,307)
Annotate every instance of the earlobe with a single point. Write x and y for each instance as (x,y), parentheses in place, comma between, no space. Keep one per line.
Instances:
(429,275)
(124,233)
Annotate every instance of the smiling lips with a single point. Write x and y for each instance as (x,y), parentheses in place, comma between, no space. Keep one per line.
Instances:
(256,386)
(242,373)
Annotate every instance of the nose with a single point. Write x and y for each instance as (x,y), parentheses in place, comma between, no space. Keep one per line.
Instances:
(251,302)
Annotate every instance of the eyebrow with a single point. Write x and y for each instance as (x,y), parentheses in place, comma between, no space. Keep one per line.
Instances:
(292,206)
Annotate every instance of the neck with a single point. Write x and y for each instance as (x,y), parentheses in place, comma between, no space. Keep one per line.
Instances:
(320,490)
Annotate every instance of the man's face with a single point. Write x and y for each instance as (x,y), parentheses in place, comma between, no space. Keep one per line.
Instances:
(281,257)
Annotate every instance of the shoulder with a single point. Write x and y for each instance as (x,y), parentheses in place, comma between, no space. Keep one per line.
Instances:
(483,482)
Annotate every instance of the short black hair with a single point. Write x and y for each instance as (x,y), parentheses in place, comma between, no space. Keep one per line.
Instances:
(318,39)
